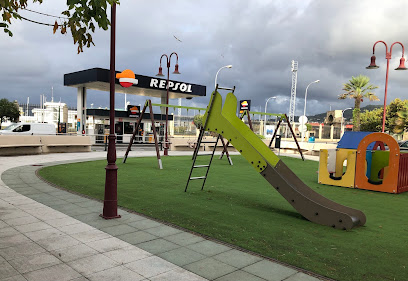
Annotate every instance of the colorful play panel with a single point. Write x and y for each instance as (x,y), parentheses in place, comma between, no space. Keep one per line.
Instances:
(374,162)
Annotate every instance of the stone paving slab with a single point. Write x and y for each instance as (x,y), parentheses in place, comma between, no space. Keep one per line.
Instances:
(158,246)
(210,268)
(137,237)
(26,264)
(116,273)
(58,232)
(184,238)
(208,248)
(239,275)
(237,258)
(181,256)
(270,271)
(74,252)
(119,229)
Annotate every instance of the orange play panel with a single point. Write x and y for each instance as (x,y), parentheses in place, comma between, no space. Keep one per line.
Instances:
(394,180)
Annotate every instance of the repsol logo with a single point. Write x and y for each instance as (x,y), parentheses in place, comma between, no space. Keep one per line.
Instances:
(161,84)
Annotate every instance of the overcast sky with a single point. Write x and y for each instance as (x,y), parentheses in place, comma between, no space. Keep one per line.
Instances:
(331,40)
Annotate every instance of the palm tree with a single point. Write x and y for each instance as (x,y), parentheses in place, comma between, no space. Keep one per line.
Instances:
(358,88)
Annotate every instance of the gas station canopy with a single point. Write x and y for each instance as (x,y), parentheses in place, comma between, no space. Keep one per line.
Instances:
(98,79)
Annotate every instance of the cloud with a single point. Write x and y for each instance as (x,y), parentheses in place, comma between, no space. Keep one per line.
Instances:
(331,40)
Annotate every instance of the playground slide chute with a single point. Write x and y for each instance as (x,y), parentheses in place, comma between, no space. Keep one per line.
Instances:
(308,203)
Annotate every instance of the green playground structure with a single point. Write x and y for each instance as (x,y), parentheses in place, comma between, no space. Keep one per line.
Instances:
(313,206)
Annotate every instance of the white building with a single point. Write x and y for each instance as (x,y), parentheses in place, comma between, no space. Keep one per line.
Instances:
(53,113)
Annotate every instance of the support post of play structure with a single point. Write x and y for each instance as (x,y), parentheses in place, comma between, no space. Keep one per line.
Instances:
(246,112)
(276,131)
(225,150)
(291,130)
(249,121)
(156,144)
(110,202)
(294,137)
(135,132)
(197,147)
(148,103)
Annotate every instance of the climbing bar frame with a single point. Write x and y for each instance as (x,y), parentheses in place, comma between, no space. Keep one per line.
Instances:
(148,103)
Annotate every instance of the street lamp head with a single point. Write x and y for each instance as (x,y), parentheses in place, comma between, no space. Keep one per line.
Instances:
(216,75)
(176,71)
(160,72)
(372,64)
(402,65)
(317,81)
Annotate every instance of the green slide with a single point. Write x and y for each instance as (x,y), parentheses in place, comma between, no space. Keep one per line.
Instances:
(308,203)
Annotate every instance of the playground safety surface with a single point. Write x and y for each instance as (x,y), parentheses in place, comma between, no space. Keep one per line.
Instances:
(52,234)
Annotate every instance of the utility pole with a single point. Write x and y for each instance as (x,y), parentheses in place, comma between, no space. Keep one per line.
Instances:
(179,112)
(293,94)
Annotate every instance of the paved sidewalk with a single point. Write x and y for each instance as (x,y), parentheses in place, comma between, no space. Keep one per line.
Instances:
(50,234)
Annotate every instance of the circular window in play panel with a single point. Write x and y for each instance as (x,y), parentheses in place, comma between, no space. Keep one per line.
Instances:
(377,162)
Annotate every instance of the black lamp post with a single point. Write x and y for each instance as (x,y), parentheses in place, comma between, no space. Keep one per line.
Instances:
(110,202)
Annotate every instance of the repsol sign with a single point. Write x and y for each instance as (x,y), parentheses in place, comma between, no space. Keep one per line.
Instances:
(161,84)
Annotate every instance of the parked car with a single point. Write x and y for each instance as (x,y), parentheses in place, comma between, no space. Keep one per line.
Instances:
(29,129)
(403,145)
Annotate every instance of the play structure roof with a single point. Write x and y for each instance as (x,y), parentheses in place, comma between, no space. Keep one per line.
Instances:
(350,140)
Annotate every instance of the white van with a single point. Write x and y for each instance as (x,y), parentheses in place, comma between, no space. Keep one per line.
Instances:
(29,129)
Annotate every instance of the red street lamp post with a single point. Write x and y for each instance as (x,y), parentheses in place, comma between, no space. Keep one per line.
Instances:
(110,202)
(168,58)
(388,57)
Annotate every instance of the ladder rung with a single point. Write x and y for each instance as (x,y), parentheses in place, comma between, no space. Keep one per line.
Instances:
(224,88)
(197,178)
(208,142)
(201,166)
(205,154)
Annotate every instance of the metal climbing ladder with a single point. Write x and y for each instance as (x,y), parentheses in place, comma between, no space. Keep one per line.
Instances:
(200,141)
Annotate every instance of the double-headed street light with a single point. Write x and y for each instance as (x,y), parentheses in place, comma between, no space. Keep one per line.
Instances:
(388,57)
(304,110)
(266,104)
(216,75)
(168,58)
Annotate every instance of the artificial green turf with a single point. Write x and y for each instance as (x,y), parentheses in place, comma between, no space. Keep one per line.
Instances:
(238,206)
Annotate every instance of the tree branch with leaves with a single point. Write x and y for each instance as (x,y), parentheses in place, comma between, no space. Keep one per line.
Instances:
(81,18)
(8,111)
(401,120)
